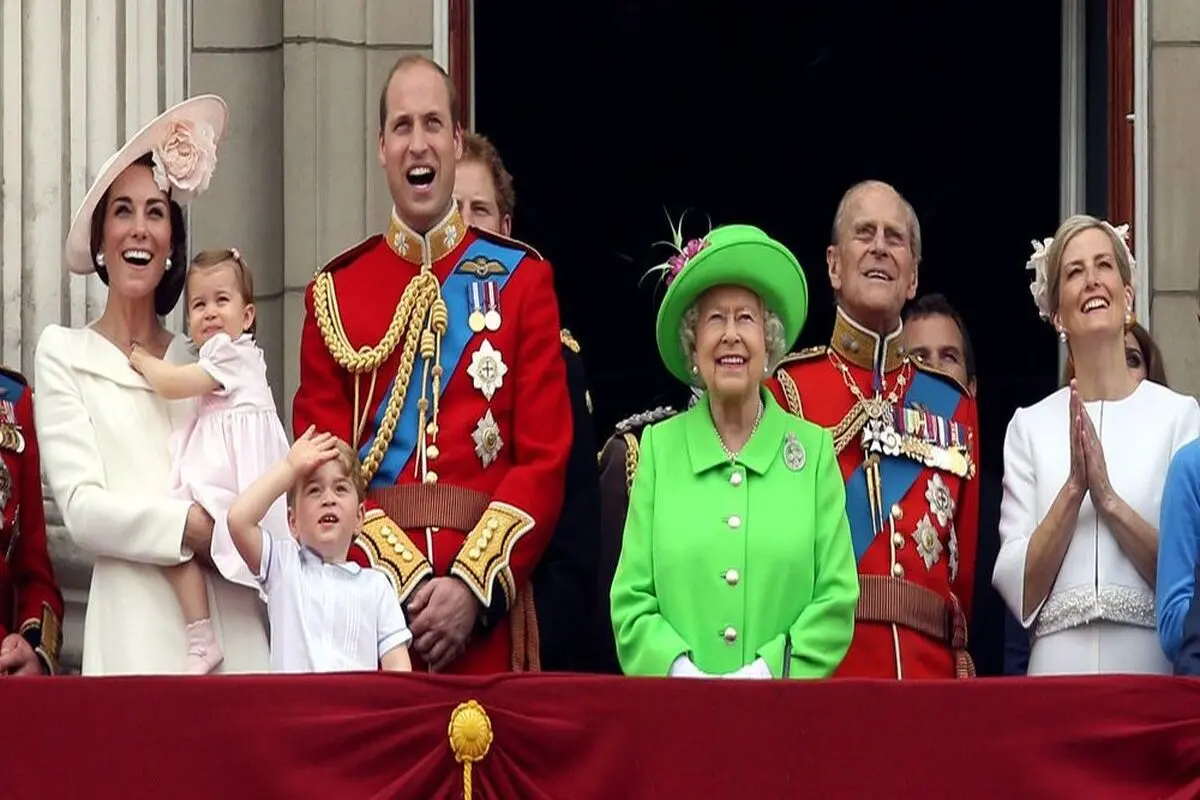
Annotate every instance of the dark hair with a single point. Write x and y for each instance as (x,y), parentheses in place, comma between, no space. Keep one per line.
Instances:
(410,60)
(936,305)
(208,260)
(1152,357)
(170,286)
(477,149)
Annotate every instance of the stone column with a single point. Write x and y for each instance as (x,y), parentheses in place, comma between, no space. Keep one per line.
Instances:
(1174,186)
(77,78)
(237,53)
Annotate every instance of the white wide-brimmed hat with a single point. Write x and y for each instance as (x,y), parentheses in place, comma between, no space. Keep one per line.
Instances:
(183,141)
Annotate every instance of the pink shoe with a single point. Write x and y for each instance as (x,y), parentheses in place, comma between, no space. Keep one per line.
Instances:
(204,652)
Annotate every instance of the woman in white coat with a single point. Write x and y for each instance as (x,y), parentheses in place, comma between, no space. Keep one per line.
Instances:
(105,434)
(1084,471)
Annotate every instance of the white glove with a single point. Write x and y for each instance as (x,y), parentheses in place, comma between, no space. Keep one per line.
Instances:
(682,667)
(755,670)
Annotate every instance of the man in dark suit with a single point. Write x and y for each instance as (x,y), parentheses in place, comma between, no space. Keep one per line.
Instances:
(563,579)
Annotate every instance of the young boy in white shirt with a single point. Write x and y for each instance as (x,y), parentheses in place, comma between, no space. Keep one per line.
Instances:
(326,614)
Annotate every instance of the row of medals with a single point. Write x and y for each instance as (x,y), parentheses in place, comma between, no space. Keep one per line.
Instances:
(487,369)
(881,437)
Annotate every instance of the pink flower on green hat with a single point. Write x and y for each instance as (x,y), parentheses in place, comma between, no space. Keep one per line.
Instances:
(686,253)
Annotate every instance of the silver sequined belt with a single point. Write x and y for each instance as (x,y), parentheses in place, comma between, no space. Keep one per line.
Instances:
(1074,607)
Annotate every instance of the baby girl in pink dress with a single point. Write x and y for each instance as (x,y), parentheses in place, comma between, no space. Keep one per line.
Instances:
(234,438)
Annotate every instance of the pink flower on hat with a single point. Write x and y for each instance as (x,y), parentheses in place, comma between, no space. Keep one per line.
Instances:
(186,157)
(686,254)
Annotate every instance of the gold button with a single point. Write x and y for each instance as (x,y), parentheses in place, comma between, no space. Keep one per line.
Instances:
(406,555)
(431,477)
(898,570)
(399,548)
(473,552)
(898,540)
(897,512)
(432,452)
(385,530)
(736,479)
(735,521)
(730,635)
(731,577)
(392,538)
(493,524)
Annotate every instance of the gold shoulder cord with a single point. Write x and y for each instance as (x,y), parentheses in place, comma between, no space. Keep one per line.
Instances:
(632,453)
(421,318)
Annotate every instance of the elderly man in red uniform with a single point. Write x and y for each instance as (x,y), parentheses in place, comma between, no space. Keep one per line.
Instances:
(905,436)
(31,604)
(434,350)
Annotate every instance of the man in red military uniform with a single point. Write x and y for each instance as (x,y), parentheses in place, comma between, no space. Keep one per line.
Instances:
(31,604)
(905,436)
(435,351)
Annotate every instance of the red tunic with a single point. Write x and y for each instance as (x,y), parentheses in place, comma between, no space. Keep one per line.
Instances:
(916,535)
(470,482)
(26,573)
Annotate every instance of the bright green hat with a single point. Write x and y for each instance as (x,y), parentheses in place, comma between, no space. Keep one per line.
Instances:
(732,255)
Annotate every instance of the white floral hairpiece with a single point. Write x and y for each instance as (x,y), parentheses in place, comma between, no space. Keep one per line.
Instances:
(1037,263)
(185,158)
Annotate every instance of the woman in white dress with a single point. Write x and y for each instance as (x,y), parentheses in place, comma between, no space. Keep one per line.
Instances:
(105,434)
(1084,472)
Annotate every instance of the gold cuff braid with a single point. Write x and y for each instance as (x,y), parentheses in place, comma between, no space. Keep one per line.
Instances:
(389,550)
(484,558)
(420,308)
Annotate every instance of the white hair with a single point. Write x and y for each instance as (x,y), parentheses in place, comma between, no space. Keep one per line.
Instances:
(772,336)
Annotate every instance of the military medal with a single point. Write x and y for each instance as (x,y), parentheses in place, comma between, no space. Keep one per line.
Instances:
(487,369)
(487,439)
(11,437)
(475,318)
(6,486)
(491,317)
(793,453)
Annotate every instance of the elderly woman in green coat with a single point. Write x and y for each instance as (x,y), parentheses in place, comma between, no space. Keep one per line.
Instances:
(736,560)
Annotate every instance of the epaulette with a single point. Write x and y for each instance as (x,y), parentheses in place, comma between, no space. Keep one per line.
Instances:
(348,256)
(569,341)
(507,241)
(645,418)
(807,354)
(937,373)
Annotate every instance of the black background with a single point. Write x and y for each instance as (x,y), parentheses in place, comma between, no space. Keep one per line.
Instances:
(765,112)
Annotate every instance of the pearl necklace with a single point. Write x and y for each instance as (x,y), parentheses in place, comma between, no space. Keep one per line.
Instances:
(732,456)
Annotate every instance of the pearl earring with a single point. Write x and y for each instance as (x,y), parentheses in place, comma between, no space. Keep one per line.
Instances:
(1062,336)
(168,262)
(766,369)
(695,370)
(99,259)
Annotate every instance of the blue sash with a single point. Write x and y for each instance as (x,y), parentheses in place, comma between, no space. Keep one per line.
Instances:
(897,473)
(458,335)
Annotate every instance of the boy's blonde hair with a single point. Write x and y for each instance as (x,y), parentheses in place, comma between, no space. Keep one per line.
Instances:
(351,464)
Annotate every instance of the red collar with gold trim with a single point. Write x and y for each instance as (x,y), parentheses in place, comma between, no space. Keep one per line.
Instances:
(864,348)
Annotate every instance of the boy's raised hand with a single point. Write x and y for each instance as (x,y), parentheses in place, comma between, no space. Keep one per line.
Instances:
(312,450)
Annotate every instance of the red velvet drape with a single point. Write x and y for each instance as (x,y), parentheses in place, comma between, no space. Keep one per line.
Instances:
(385,736)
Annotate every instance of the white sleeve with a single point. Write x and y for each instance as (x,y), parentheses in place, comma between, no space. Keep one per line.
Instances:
(103,522)
(1018,519)
(682,667)
(224,361)
(393,629)
(280,560)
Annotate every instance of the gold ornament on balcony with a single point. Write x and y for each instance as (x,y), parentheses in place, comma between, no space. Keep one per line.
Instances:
(470,738)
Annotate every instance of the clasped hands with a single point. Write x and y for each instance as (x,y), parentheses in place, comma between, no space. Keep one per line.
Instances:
(1089,473)
(441,615)
(18,658)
